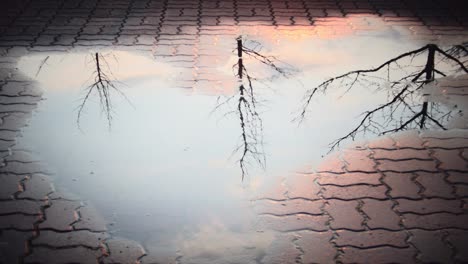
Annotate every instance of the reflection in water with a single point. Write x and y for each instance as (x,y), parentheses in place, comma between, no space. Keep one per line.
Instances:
(43,62)
(407,105)
(103,85)
(251,123)
(162,175)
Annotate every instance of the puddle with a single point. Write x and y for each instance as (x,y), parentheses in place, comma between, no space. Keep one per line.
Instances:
(166,173)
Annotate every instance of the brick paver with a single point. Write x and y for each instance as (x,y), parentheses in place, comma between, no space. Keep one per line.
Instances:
(400,198)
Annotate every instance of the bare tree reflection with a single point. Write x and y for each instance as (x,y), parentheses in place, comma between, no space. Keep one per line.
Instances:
(407,105)
(43,62)
(103,85)
(250,121)
(247,104)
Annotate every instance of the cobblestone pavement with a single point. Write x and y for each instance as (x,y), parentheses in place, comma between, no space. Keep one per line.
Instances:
(401,198)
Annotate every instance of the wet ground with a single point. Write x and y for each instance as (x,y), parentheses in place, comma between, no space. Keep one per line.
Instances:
(156,154)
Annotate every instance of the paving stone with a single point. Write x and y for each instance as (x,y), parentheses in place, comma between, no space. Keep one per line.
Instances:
(408,139)
(302,186)
(407,165)
(289,207)
(59,256)
(123,251)
(15,108)
(19,222)
(349,179)
(5,145)
(371,238)
(14,121)
(22,156)
(61,193)
(354,192)
(281,251)
(345,215)
(17,51)
(60,215)
(446,134)
(294,222)
(450,159)
(359,160)
(21,207)
(378,255)
(70,239)
(428,206)
(156,258)
(13,245)
(453,143)
(384,142)
(145,40)
(19,89)
(402,185)
(434,185)
(431,246)
(461,190)
(401,154)
(23,99)
(459,240)
(9,185)
(90,219)
(464,154)
(435,221)
(332,163)
(457,177)
(22,168)
(316,246)
(126,39)
(37,187)
(380,214)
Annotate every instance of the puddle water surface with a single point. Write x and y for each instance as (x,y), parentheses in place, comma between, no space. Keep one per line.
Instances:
(166,173)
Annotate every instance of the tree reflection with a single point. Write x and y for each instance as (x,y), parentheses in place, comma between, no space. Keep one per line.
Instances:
(103,85)
(406,86)
(247,103)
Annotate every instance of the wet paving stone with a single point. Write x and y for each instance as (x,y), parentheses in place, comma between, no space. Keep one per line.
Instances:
(70,239)
(90,219)
(36,187)
(402,185)
(316,247)
(431,246)
(354,192)
(345,215)
(19,222)
(380,214)
(372,238)
(60,215)
(428,206)
(72,255)
(348,179)
(378,255)
(294,222)
(10,185)
(282,250)
(123,251)
(435,185)
(21,207)
(13,245)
